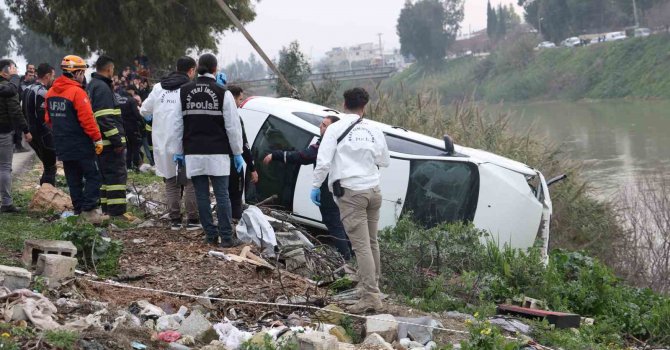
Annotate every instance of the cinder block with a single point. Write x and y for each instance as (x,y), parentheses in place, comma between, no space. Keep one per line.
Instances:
(55,267)
(14,277)
(32,249)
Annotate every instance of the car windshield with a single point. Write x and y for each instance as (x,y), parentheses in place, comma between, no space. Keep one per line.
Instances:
(441,191)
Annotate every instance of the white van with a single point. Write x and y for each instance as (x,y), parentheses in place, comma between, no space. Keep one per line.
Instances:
(615,36)
(434,179)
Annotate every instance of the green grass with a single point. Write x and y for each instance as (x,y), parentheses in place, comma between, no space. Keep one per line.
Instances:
(636,67)
(142,179)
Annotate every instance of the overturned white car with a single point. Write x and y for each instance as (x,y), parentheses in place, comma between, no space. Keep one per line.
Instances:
(434,179)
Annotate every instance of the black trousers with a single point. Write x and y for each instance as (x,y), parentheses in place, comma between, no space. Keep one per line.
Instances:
(83,180)
(235,191)
(114,177)
(43,146)
(133,159)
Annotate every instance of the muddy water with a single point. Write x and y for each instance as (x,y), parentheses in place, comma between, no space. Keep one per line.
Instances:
(619,141)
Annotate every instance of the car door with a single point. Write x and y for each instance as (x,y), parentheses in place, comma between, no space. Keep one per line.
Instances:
(277,179)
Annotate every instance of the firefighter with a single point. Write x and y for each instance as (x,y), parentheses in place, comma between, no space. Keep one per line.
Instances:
(76,137)
(112,160)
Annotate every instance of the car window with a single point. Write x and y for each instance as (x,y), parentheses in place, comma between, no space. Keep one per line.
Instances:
(309,117)
(276,178)
(402,145)
(441,191)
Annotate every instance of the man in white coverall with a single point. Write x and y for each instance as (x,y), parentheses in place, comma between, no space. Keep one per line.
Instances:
(351,153)
(164,104)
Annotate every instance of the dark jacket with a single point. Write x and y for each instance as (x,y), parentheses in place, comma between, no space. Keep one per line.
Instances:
(9,90)
(246,151)
(71,117)
(306,157)
(174,81)
(133,123)
(107,111)
(11,116)
(33,108)
(204,126)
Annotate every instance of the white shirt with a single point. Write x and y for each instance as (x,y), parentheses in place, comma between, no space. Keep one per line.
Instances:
(355,161)
(217,164)
(166,130)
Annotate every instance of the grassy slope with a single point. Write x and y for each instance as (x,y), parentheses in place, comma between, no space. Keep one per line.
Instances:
(638,68)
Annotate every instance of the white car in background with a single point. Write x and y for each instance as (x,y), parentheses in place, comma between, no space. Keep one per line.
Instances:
(433,179)
(572,42)
(642,32)
(546,45)
(615,36)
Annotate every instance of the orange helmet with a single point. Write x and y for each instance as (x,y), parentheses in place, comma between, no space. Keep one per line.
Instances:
(72,63)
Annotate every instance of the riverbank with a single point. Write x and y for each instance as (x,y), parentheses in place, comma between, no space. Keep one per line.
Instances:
(637,68)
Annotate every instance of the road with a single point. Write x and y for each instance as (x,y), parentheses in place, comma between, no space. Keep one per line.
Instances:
(21,161)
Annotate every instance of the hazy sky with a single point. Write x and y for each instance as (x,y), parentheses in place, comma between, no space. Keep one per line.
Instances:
(320,25)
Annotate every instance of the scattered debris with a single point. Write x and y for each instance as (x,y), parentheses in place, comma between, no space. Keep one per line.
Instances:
(32,249)
(255,228)
(384,325)
(22,304)
(12,277)
(334,317)
(197,326)
(418,334)
(317,341)
(376,340)
(230,336)
(169,336)
(558,319)
(55,268)
(511,325)
(48,198)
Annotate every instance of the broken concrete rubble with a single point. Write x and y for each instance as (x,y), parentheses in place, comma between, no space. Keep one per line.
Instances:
(148,310)
(230,336)
(377,341)
(55,268)
(14,277)
(415,330)
(197,326)
(49,197)
(317,341)
(511,325)
(32,248)
(384,325)
(330,314)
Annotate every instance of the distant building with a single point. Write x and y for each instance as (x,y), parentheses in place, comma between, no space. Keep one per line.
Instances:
(360,56)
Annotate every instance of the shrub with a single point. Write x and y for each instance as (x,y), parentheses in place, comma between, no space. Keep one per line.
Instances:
(93,250)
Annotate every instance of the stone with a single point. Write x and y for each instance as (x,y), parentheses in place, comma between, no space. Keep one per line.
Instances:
(384,325)
(410,344)
(151,324)
(14,277)
(55,267)
(377,341)
(177,346)
(341,334)
(49,197)
(169,322)
(317,341)
(186,340)
(197,326)
(258,339)
(32,249)
(149,310)
(214,345)
(330,314)
(346,346)
(459,316)
(511,325)
(431,345)
(415,332)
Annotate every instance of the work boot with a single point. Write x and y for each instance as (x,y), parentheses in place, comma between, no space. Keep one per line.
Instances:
(193,225)
(230,243)
(175,225)
(94,217)
(367,303)
(9,209)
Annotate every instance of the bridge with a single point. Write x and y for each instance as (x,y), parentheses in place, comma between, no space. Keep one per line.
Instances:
(369,73)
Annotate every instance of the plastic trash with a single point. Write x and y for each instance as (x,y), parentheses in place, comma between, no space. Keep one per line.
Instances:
(230,336)
(138,345)
(169,336)
(66,214)
(255,228)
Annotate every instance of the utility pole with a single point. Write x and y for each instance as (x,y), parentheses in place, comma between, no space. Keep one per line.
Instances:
(253,43)
(637,22)
(381,50)
(539,25)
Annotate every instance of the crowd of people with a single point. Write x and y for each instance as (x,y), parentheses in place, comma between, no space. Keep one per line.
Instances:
(188,126)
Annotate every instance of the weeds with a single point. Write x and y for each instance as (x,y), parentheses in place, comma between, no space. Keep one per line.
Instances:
(101,254)
(64,340)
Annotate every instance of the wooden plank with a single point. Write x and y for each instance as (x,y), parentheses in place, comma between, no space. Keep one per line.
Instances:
(559,319)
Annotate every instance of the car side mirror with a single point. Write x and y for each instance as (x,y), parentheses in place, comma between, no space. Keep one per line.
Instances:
(449,145)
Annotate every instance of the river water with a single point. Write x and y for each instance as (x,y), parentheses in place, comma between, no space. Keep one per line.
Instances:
(619,141)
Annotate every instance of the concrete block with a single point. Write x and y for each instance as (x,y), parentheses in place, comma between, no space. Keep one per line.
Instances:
(32,249)
(376,341)
(14,277)
(317,341)
(55,267)
(197,326)
(385,325)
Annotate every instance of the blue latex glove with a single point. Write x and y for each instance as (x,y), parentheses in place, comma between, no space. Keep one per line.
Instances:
(149,118)
(239,162)
(221,78)
(178,158)
(315,196)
